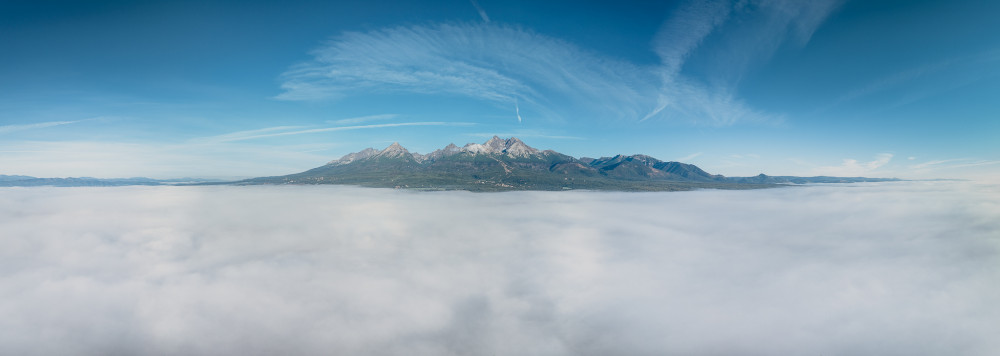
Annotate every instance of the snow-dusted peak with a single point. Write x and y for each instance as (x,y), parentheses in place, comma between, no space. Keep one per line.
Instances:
(394,150)
(452,149)
(517,148)
(513,147)
(356,156)
(496,144)
(449,150)
(476,148)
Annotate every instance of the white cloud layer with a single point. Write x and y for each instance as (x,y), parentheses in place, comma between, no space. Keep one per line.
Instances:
(902,268)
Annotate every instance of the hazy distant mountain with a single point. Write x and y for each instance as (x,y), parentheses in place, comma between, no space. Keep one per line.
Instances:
(6,178)
(510,164)
(766,179)
(27,181)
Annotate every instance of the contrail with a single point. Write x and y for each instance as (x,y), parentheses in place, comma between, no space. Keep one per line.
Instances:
(517,110)
(482,13)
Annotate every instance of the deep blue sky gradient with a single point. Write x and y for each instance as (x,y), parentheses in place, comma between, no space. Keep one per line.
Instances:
(247,88)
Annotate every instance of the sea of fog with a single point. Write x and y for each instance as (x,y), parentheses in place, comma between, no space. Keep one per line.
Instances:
(905,268)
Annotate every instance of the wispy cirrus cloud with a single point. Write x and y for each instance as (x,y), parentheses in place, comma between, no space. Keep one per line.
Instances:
(937,163)
(243,135)
(978,169)
(525,134)
(922,81)
(745,33)
(109,159)
(494,63)
(520,69)
(482,13)
(39,125)
(360,119)
(890,81)
(950,164)
(684,32)
(689,157)
(297,130)
(755,31)
(853,168)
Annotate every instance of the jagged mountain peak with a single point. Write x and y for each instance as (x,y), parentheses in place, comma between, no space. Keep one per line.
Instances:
(395,149)
(512,147)
(496,144)
(392,151)
(517,148)
(476,148)
(356,156)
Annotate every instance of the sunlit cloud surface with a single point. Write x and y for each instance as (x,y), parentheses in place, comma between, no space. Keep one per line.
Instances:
(902,268)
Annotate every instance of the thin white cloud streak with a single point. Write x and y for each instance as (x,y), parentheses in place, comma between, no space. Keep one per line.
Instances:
(256,134)
(525,134)
(801,18)
(517,111)
(675,41)
(696,103)
(689,157)
(684,31)
(976,169)
(241,135)
(891,81)
(361,119)
(909,86)
(158,160)
(977,164)
(853,168)
(762,27)
(904,268)
(935,163)
(234,155)
(41,125)
(745,33)
(950,165)
(482,13)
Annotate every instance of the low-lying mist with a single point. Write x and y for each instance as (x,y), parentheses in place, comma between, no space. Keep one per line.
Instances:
(877,269)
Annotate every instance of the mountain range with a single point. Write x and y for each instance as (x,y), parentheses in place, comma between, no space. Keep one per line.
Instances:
(510,164)
(495,165)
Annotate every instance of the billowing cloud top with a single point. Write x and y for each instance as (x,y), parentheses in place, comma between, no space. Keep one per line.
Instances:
(901,268)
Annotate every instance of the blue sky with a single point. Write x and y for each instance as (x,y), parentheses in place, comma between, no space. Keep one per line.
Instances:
(250,88)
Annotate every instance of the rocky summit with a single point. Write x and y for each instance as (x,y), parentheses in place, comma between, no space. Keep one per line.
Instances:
(512,147)
(510,164)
